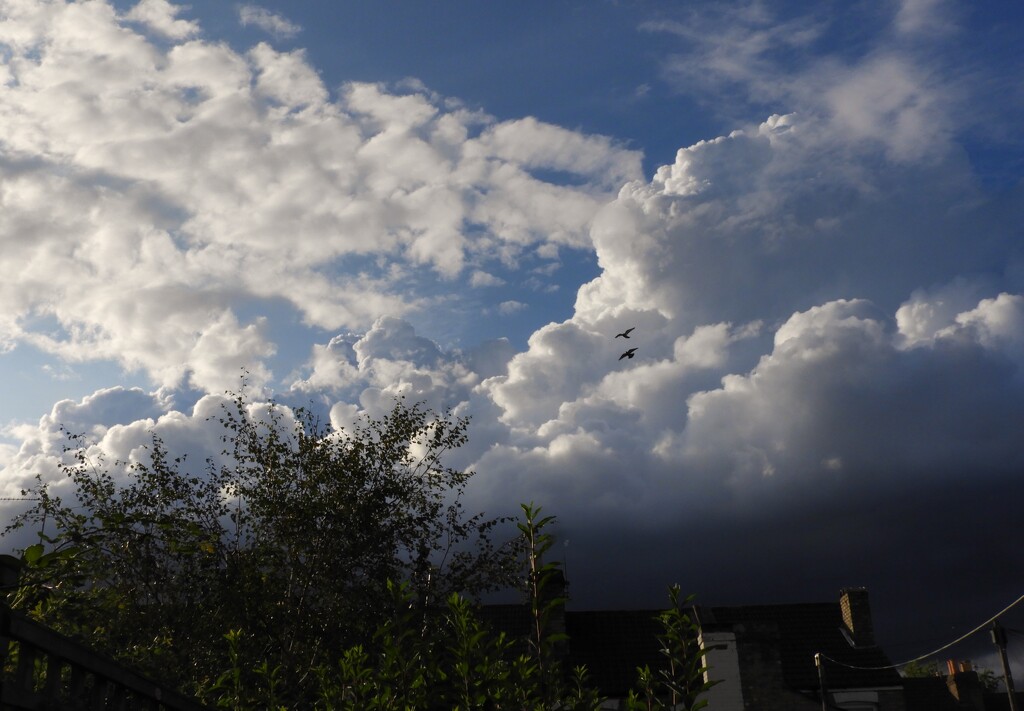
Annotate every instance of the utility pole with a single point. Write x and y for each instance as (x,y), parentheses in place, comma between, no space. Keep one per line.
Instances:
(820,663)
(999,638)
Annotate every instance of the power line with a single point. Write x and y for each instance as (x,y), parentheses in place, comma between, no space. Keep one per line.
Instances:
(934,652)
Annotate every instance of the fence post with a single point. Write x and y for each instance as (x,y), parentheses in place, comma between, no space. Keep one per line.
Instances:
(10,571)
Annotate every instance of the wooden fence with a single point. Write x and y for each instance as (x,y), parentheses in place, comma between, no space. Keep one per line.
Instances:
(44,670)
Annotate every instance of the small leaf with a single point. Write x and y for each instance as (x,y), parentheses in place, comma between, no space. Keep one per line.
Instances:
(33,553)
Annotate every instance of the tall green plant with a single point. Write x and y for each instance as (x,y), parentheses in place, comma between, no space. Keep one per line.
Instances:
(557,687)
(680,681)
(546,644)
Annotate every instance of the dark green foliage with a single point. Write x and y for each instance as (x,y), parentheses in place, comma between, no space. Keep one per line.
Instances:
(264,581)
(273,561)
(921,669)
(451,662)
(449,659)
(546,645)
(679,683)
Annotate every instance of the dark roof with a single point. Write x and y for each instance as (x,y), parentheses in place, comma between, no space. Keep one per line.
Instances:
(801,631)
(513,620)
(612,644)
(928,693)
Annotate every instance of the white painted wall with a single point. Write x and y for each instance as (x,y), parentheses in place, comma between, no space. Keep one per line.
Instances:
(724,666)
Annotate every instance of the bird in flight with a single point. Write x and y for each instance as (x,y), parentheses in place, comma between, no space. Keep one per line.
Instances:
(624,334)
(628,354)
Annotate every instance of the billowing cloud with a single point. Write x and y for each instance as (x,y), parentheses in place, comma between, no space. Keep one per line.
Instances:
(42,445)
(369,370)
(267,21)
(161,16)
(827,312)
(197,179)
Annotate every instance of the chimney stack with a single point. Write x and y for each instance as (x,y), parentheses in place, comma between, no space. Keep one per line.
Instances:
(853,602)
(967,688)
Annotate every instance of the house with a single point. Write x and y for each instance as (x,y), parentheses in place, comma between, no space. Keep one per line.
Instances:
(782,656)
(960,690)
(763,656)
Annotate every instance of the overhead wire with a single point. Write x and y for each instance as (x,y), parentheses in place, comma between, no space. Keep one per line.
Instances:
(933,652)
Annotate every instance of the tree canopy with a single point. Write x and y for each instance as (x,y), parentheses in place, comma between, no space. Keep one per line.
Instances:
(288,540)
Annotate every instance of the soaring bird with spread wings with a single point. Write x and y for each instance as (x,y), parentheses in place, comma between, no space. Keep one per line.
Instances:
(624,334)
(628,354)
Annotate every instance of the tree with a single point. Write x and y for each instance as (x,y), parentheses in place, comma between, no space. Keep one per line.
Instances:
(275,557)
(919,669)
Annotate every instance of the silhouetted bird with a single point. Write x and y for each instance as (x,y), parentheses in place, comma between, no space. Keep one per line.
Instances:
(628,354)
(624,334)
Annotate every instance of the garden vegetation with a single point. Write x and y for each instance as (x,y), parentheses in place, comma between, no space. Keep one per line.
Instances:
(308,567)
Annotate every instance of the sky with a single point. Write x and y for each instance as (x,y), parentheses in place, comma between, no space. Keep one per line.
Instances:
(811,216)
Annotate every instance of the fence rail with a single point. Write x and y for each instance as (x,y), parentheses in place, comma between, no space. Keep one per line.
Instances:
(43,669)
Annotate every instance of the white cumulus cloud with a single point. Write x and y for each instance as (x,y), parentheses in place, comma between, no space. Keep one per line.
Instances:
(152,193)
(161,16)
(268,21)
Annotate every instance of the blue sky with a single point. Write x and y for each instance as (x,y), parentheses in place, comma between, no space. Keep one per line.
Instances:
(812,217)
